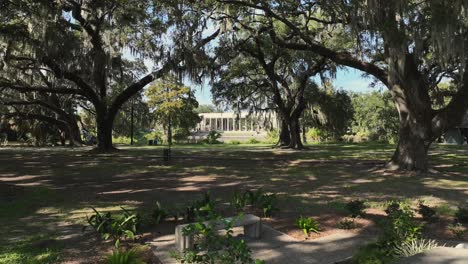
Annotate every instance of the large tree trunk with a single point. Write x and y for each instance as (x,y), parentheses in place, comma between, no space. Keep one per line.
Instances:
(412,150)
(284,135)
(74,134)
(410,93)
(105,124)
(295,131)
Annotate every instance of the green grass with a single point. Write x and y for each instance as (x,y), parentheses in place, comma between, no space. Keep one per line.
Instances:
(29,251)
(61,184)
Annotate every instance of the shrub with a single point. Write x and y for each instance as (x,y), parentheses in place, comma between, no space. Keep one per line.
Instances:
(234,142)
(307,225)
(462,215)
(411,248)
(124,226)
(316,134)
(213,247)
(400,226)
(212,137)
(253,141)
(120,256)
(427,212)
(272,136)
(347,224)
(458,230)
(355,208)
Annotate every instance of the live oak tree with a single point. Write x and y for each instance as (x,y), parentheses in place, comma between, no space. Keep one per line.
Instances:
(255,71)
(80,46)
(50,110)
(409,46)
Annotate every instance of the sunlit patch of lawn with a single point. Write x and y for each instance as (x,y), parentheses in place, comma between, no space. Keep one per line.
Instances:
(31,250)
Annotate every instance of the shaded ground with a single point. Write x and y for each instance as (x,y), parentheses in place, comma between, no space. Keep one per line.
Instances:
(50,191)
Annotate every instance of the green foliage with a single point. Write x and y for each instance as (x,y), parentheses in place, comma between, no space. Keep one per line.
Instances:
(122,226)
(462,215)
(213,247)
(400,226)
(239,201)
(375,115)
(272,136)
(347,224)
(152,135)
(121,256)
(234,142)
(426,212)
(265,202)
(355,208)
(158,213)
(173,104)
(458,230)
(308,225)
(212,137)
(200,209)
(329,114)
(411,248)
(254,197)
(316,134)
(268,204)
(207,109)
(253,141)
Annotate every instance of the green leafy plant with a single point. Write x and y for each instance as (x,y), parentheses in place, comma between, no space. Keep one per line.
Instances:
(200,209)
(462,215)
(400,226)
(458,230)
(121,256)
(355,208)
(239,201)
(254,197)
(426,212)
(158,213)
(347,224)
(411,248)
(308,225)
(123,226)
(268,204)
(213,137)
(215,247)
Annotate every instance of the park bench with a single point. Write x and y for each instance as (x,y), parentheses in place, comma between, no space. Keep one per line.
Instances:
(252,228)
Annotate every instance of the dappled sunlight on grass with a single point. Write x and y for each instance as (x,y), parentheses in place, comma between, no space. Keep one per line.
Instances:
(66,183)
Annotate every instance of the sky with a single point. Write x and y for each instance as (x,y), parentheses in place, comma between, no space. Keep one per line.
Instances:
(347,79)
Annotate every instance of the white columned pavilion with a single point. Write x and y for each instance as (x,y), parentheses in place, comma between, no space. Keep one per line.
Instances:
(233,122)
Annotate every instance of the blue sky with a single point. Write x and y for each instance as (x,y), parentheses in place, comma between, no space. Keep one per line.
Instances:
(347,79)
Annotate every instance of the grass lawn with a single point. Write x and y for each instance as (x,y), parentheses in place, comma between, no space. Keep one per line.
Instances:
(47,192)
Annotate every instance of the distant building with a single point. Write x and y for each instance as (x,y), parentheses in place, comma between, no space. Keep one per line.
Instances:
(226,122)
(235,126)
(458,135)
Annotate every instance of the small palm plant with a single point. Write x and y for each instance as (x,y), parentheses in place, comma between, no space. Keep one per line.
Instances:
(308,225)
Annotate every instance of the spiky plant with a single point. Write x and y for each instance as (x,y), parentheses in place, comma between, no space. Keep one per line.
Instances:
(411,248)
